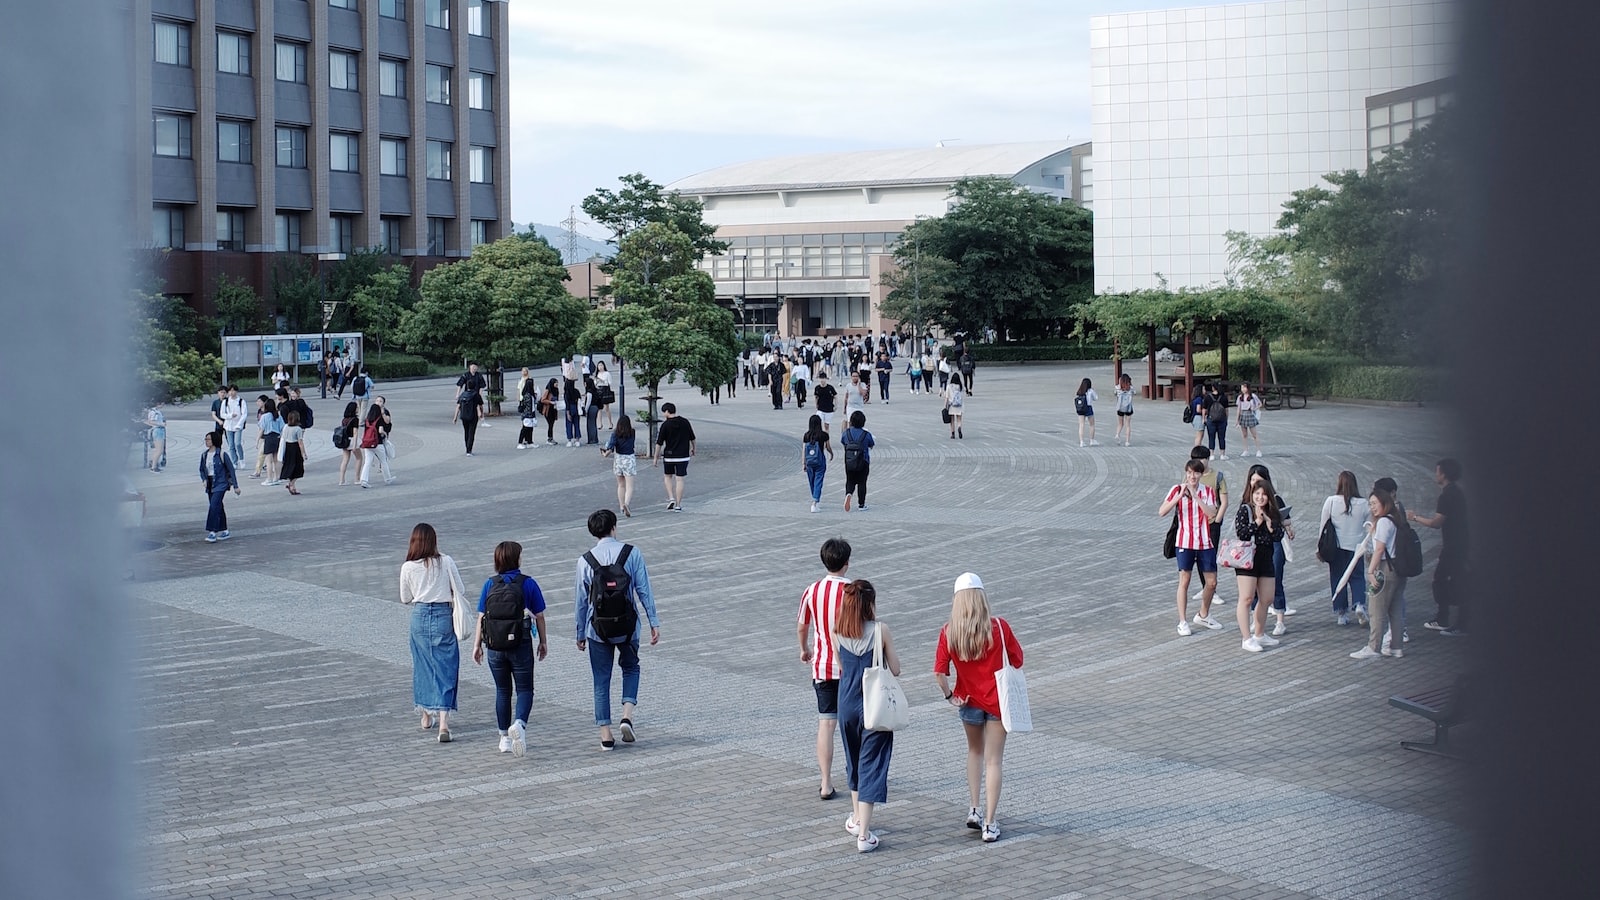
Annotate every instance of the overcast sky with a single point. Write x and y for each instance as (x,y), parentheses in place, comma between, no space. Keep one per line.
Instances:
(601,88)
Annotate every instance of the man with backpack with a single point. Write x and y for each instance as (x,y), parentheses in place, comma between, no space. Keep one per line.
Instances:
(857,443)
(612,583)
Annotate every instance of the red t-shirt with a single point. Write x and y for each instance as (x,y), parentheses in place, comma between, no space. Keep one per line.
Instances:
(975,678)
(819,609)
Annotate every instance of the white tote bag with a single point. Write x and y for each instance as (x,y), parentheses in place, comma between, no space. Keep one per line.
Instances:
(884,706)
(463,613)
(1012,687)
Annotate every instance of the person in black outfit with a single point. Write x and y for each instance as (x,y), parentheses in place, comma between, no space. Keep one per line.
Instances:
(469,403)
(825,395)
(1450,572)
(775,382)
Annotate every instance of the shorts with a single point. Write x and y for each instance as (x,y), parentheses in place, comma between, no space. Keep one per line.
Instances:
(1199,422)
(269,443)
(1088,412)
(827,698)
(1124,412)
(827,417)
(1207,559)
(679,468)
(972,715)
(625,465)
(158,433)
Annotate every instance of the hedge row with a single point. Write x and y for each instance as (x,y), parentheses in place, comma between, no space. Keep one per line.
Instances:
(392,364)
(1040,351)
(1325,374)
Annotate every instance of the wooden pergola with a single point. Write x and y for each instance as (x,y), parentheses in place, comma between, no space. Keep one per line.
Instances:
(1140,314)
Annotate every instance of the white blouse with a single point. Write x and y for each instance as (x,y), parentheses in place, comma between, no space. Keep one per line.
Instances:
(438,582)
(1347,525)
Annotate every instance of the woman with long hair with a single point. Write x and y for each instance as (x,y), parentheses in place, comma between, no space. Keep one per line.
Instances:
(1385,585)
(527,395)
(1259,522)
(1348,512)
(1083,403)
(1249,404)
(572,395)
(814,455)
(591,408)
(602,380)
(626,464)
(271,431)
(1278,602)
(430,583)
(955,400)
(549,401)
(291,451)
(856,632)
(351,423)
(373,454)
(977,645)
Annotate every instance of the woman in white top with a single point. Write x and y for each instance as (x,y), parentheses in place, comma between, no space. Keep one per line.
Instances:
(602,380)
(1124,394)
(955,401)
(1085,409)
(1385,585)
(1348,512)
(430,584)
(1249,404)
(280,377)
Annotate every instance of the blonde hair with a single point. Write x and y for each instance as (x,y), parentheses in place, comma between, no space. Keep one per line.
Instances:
(969,633)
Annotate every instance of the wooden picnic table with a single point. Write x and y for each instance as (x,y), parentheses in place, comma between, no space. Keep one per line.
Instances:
(1173,379)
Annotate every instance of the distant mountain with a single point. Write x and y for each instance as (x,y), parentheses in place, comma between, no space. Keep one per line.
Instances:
(587,247)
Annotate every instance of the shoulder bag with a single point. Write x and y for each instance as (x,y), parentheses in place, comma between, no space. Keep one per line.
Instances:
(1169,547)
(883,703)
(1012,687)
(463,612)
(1236,554)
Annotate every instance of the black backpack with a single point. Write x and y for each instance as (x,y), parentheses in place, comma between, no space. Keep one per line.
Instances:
(1407,551)
(1188,413)
(505,626)
(1080,404)
(305,415)
(854,453)
(341,435)
(612,613)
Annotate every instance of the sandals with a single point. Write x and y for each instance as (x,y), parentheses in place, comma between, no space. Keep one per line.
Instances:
(828,796)
(444,736)
(608,745)
(427,722)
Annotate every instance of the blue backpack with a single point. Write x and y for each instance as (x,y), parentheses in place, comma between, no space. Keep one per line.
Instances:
(813,453)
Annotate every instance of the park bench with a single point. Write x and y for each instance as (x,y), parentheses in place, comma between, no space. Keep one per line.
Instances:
(1441,706)
(1280,396)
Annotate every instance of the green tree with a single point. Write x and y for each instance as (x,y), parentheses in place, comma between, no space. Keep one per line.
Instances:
(377,307)
(164,371)
(641,202)
(297,293)
(347,276)
(238,307)
(668,321)
(1003,256)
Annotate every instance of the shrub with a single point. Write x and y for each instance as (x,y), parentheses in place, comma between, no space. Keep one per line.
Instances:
(393,365)
(1040,351)
(1326,374)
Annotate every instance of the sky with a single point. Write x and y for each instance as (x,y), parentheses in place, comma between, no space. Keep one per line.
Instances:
(603,88)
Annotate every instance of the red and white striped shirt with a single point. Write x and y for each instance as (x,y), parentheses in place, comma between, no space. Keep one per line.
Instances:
(1193,531)
(819,608)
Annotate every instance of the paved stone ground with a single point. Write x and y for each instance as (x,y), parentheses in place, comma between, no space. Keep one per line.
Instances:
(281,758)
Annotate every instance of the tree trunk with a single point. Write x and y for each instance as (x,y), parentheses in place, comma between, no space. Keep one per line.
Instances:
(1150,342)
(1116,361)
(1223,371)
(1188,365)
(653,386)
(1263,372)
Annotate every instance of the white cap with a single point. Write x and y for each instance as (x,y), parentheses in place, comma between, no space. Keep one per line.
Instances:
(969,580)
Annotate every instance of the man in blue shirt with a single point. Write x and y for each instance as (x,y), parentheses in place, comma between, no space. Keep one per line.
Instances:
(623,650)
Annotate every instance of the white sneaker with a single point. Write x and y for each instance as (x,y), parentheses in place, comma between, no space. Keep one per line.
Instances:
(974,821)
(1344,619)
(519,738)
(1223,456)
(868,843)
(1289,611)
(1386,641)
(991,832)
(1258,454)
(1184,629)
(850,825)
(1365,653)
(1394,653)
(813,507)
(1278,630)
(1094,443)
(1266,641)
(1361,616)
(1208,622)
(1252,645)
(1405,636)
(505,743)
(1082,444)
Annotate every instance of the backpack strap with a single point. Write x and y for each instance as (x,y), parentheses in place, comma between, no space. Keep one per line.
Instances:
(622,558)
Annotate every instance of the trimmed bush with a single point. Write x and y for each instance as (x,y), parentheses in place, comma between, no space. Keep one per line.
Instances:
(1040,351)
(1325,374)
(393,365)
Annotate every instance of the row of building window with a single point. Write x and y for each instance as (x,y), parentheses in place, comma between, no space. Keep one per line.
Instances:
(172,37)
(169,230)
(344,67)
(174,137)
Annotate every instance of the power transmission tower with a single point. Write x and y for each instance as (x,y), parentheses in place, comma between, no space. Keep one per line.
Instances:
(570,224)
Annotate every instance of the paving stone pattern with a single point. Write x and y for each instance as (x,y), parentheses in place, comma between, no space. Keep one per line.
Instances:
(280,755)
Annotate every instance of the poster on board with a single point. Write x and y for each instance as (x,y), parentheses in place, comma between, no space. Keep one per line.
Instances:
(269,351)
(307,351)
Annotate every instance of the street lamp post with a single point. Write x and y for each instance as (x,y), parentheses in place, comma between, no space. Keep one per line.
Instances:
(744,289)
(777,282)
(327,307)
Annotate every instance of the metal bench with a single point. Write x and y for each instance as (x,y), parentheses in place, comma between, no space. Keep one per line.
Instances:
(1441,706)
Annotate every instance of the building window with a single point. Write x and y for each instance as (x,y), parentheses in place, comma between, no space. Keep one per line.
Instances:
(168,228)
(233,53)
(230,229)
(392,157)
(480,90)
(343,4)
(173,135)
(439,84)
(342,233)
(288,233)
(392,9)
(292,147)
(392,77)
(344,70)
(291,63)
(436,13)
(481,165)
(480,231)
(438,236)
(233,142)
(478,16)
(344,152)
(439,160)
(172,43)
(389,234)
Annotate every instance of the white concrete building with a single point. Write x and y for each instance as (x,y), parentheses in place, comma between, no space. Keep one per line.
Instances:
(809,236)
(1207,119)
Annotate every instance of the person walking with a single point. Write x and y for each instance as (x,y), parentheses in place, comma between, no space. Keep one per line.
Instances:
(977,644)
(819,609)
(1124,394)
(967,366)
(802,382)
(857,442)
(607,395)
(1249,404)
(218,476)
(572,408)
(914,372)
(1196,506)
(1397,599)
(527,405)
(826,396)
(291,451)
(335,376)
(297,404)
(323,371)
(469,405)
(1216,407)
(815,452)
(1280,550)
(269,429)
(234,416)
(1385,585)
(675,446)
(856,634)
(955,403)
(1450,572)
(350,433)
(157,421)
(591,409)
(612,583)
(430,583)
(384,454)
(885,369)
(507,604)
(625,464)
(550,407)
(775,382)
(280,377)
(1348,512)
(360,389)
(372,454)
(1083,404)
(1197,414)
(1258,522)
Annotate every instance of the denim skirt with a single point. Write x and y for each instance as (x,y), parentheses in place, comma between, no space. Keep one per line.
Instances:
(435,657)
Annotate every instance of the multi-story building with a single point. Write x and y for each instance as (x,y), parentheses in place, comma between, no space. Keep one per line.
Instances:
(317,127)
(1207,119)
(809,237)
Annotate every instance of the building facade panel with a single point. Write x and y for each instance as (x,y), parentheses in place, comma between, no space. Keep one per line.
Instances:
(439,46)
(292,103)
(344,192)
(484,203)
(236,96)
(441,121)
(394,116)
(172,87)
(236,185)
(344,28)
(239,15)
(441,199)
(292,19)
(394,195)
(172,180)
(173,9)
(346,111)
(481,54)
(394,38)
(293,188)
(483,128)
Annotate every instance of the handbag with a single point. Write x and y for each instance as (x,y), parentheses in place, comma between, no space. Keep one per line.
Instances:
(388,448)
(1169,547)
(464,614)
(1236,554)
(883,703)
(944,415)
(1328,542)
(1012,687)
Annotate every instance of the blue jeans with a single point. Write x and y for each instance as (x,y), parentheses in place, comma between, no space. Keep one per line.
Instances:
(574,430)
(235,446)
(814,476)
(592,414)
(1354,596)
(1217,435)
(512,668)
(216,516)
(600,659)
